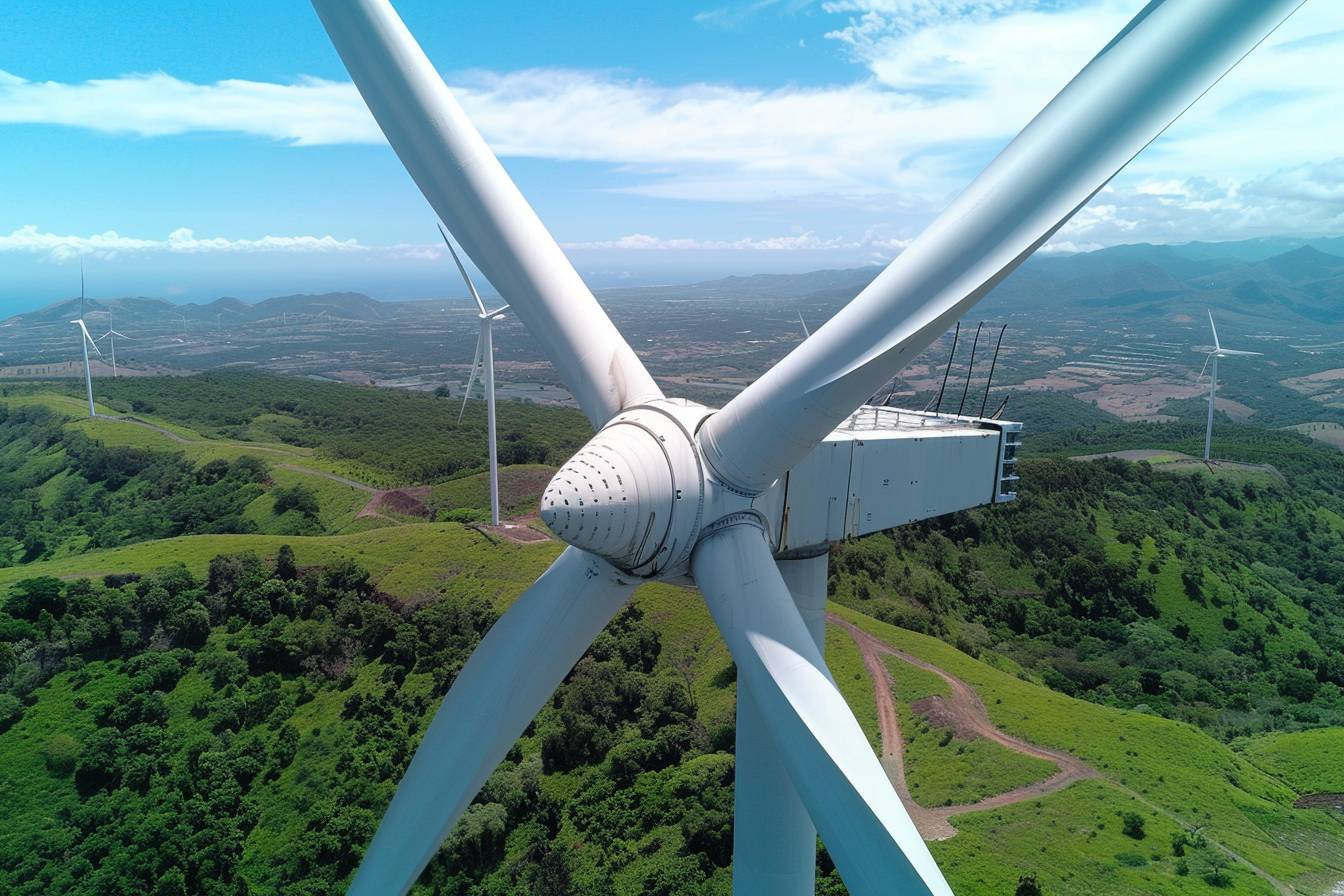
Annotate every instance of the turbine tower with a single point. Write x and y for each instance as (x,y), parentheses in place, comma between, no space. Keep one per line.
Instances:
(111,335)
(485,348)
(1213,356)
(86,342)
(744,501)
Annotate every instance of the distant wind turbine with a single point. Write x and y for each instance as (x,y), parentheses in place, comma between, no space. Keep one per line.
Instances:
(85,343)
(485,356)
(111,335)
(1218,352)
(806,333)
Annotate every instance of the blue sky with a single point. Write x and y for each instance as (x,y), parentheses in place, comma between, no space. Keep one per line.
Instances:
(196,150)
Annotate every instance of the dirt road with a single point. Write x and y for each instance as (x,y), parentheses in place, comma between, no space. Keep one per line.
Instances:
(967,713)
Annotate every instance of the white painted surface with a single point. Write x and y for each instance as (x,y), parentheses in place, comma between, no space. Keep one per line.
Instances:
(817,739)
(774,839)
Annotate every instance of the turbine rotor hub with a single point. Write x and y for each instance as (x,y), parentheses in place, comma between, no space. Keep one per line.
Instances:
(635,493)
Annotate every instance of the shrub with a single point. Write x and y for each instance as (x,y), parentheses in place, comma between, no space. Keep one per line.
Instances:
(1132,825)
(11,710)
(61,754)
(1028,885)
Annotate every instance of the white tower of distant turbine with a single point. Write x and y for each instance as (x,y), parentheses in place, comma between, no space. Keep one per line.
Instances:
(745,500)
(111,336)
(1213,356)
(485,353)
(86,342)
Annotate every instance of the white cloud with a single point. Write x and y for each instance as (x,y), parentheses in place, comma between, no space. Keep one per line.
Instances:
(306,112)
(109,244)
(796,242)
(1301,199)
(945,83)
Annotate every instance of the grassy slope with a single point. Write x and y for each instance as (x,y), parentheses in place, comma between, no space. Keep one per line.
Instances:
(1237,803)
(954,771)
(1307,761)
(1166,770)
(404,560)
(846,663)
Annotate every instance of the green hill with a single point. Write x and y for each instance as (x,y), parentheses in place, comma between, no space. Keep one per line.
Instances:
(228,711)
(1173,775)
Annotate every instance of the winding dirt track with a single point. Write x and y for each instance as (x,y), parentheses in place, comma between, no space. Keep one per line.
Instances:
(970,715)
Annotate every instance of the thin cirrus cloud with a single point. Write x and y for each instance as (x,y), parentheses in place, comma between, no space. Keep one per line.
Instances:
(943,84)
(791,243)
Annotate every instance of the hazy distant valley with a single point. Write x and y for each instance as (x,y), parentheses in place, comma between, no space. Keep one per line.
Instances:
(1119,330)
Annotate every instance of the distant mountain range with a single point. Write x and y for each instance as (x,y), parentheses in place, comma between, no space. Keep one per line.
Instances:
(342,305)
(1263,277)
(1280,287)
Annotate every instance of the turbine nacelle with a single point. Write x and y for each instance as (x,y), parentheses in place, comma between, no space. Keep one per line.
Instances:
(639,494)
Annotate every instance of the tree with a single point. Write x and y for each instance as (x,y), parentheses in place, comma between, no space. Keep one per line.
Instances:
(284,564)
(295,497)
(1132,825)
(30,597)
(1215,868)
(1027,885)
(11,710)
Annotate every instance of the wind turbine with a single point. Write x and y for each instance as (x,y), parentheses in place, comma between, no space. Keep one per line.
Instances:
(111,335)
(668,489)
(86,342)
(1213,356)
(485,347)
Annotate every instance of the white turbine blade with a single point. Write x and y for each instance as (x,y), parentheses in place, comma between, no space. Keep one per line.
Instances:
(509,677)
(861,820)
(471,379)
(1227,351)
(806,332)
(1205,367)
(471,193)
(774,839)
(1168,56)
(471,287)
(1216,344)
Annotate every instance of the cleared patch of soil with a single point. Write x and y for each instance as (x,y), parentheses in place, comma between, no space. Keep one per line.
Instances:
(1053,382)
(517,532)
(939,714)
(401,501)
(1140,401)
(1333,801)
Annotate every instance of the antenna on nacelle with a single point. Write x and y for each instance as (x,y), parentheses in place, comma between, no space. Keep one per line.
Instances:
(992,362)
(956,334)
(970,369)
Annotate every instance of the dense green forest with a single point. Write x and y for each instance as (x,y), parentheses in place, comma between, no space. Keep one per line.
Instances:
(183,697)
